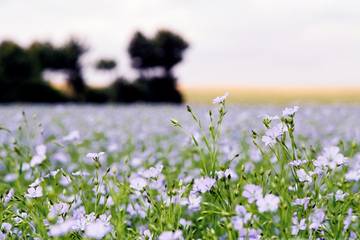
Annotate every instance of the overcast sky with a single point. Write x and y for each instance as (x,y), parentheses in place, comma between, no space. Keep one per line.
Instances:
(233,42)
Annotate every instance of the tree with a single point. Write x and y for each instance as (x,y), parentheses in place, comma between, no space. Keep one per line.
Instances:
(105,64)
(46,55)
(143,53)
(64,58)
(148,56)
(163,51)
(126,92)
(21,78)
(69,56)
(171,49)
(16,65)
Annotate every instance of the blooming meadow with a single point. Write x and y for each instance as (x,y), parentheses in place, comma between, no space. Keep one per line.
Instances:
(154,172)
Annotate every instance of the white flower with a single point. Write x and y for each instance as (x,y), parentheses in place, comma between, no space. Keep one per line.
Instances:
(136,210)
(290,111)
(220,174)
(249,234)
(25,167)
(353,175)
(331,157)
(146,234)
(252,192)
(301,202)
(97,229)
(297,163)
(241,218)
(72,136)
(105,219)
(317,218)
(268,117)
(20,217)
(168,235)
(137,183)
(228,173)
(152,172)
(37,182)
(53,173)
(95,155)
(11,177)
(157,183)
(203,184)
(297,226)
(184,222)
(106,201)
(269,203)
(221,99)
(79,216)
(80,173)
(352,236)
(58,209)
(65,180)
(303,176)
(241,212)
(40,155)
(273,133)
(6,227)
(293,188)
(34,192)
(194,202)
(63,228)
(37,160)
(340,195)
(349,218)
(237,222)
(8,196)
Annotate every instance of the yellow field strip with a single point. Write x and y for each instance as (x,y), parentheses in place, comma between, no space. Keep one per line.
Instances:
(275,95)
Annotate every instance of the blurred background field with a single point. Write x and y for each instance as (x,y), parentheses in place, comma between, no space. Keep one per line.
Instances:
(276,95)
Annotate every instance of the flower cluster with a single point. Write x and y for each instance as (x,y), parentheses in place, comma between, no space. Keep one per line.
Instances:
(132,176)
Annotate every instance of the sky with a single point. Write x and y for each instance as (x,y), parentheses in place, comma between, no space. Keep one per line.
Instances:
(233,42)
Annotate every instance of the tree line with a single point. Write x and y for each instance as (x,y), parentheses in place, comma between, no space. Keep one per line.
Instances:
(22,71)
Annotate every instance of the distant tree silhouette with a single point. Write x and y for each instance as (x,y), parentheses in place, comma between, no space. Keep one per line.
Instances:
(31,92)
(64,58)
(46,55)
(171,48)
(105,64)
(160,89)
(20,76)
(22,70)
(70,55)
(164,51)
(127,92)
(143,53)
(15,64)
(151,56)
